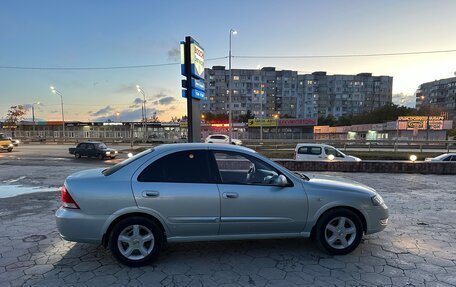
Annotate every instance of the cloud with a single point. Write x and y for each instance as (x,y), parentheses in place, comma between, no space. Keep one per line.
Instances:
(166,100)
(125,89)
(102,112)
(404,100)
(136,103)
(128,115)
(174,54)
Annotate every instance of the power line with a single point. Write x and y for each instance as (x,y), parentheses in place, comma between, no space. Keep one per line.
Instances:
(102,68)
(345,55)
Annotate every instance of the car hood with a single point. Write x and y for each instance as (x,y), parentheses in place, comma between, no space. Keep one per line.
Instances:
(338,183)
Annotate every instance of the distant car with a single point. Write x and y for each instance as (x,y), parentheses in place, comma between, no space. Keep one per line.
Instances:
(320,152)
(93,149)
(14,142)
(199,192)
(223,139)
(442,157)
(5,143)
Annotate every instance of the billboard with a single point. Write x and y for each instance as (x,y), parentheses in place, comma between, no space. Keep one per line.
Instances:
(196,59)
(415,123)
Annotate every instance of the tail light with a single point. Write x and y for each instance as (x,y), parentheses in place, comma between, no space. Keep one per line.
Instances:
(67,200)
(294,155)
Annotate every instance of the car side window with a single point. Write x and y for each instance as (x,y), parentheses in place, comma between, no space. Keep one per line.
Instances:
(313,150)
(332,151)
(90,146)
(186,166)
(236,168)
(454,158)
(82,146)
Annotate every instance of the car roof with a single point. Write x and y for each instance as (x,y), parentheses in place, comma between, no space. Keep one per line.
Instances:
(85,142)
(218,135)
(190,146)
(312,144)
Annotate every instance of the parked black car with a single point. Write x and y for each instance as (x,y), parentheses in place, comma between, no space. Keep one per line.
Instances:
(93,149)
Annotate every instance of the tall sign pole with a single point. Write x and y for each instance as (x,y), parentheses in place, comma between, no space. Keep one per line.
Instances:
(192,68)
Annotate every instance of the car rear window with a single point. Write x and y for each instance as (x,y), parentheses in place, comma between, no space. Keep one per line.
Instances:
(120,165)
(315,150)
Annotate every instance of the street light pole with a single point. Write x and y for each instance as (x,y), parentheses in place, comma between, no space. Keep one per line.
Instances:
(55,91)
(140,90)
(230,117)
(33,117)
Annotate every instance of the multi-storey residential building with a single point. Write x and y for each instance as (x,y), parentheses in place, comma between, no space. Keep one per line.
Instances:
(267,92)
(439,94)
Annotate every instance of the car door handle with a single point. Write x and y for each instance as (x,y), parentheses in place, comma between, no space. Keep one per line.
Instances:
(150,193)
(230,195)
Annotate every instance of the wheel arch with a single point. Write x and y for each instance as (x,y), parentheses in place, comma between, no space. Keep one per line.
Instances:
(350,208)
(105,238)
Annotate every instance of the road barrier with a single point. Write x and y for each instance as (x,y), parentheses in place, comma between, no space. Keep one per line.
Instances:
(371,166)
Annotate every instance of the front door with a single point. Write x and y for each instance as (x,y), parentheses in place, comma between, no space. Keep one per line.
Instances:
(180,189)
(252,202)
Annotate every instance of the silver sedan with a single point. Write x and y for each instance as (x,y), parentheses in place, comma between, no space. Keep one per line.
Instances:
(197,192)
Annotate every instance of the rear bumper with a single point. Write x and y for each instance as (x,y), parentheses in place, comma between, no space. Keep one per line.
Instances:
(73,225)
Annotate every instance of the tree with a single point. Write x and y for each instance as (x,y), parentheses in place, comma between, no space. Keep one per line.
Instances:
(245,118)
(14,115)
(154,118)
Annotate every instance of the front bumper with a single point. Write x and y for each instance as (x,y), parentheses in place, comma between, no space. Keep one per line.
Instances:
(377,219)
(73,225)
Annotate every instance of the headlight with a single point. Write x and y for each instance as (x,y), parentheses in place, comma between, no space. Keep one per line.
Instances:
(115,152)
(108,153)
(18,141)
(10,145)
(357,159)
(377,200)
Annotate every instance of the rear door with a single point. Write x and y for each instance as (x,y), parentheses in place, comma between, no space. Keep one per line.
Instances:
(311,153)
(180,188)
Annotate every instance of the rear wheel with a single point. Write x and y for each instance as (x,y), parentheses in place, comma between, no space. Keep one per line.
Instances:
(136,241)
(339,231)
(77,155)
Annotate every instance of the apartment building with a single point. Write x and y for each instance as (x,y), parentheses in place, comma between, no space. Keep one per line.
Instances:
(440,94)
(268,92)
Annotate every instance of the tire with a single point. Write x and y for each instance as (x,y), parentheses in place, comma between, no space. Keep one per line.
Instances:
(100,156)
(330,233)
(151,248)
(77,155)
(10,149)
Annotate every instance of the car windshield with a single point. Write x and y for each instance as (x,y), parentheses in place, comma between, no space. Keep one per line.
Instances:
(101,146)
(3,137)
(115,168)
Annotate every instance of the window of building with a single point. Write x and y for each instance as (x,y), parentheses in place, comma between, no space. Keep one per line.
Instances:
(235,78)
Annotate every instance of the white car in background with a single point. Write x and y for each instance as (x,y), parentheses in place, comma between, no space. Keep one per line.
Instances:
(443,157)
(320,152)
(223,139)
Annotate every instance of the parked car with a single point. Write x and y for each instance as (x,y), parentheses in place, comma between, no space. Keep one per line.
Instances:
(194,192)
(93,149)
(320,152)
(223,139)
(442,157)
(14,142)
(5,143)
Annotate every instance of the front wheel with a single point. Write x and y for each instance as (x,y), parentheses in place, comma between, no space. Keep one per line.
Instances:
(339,231)
(135,241)
(10,149)
(77,155)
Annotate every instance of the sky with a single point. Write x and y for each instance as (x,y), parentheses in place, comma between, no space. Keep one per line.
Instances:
(96,33)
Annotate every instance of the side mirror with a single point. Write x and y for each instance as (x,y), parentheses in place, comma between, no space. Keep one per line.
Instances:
(282,180)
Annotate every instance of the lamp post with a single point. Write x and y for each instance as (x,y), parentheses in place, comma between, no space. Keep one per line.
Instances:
(140,90)
(55,91)
(33,117)
(276,116)
(230,118)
